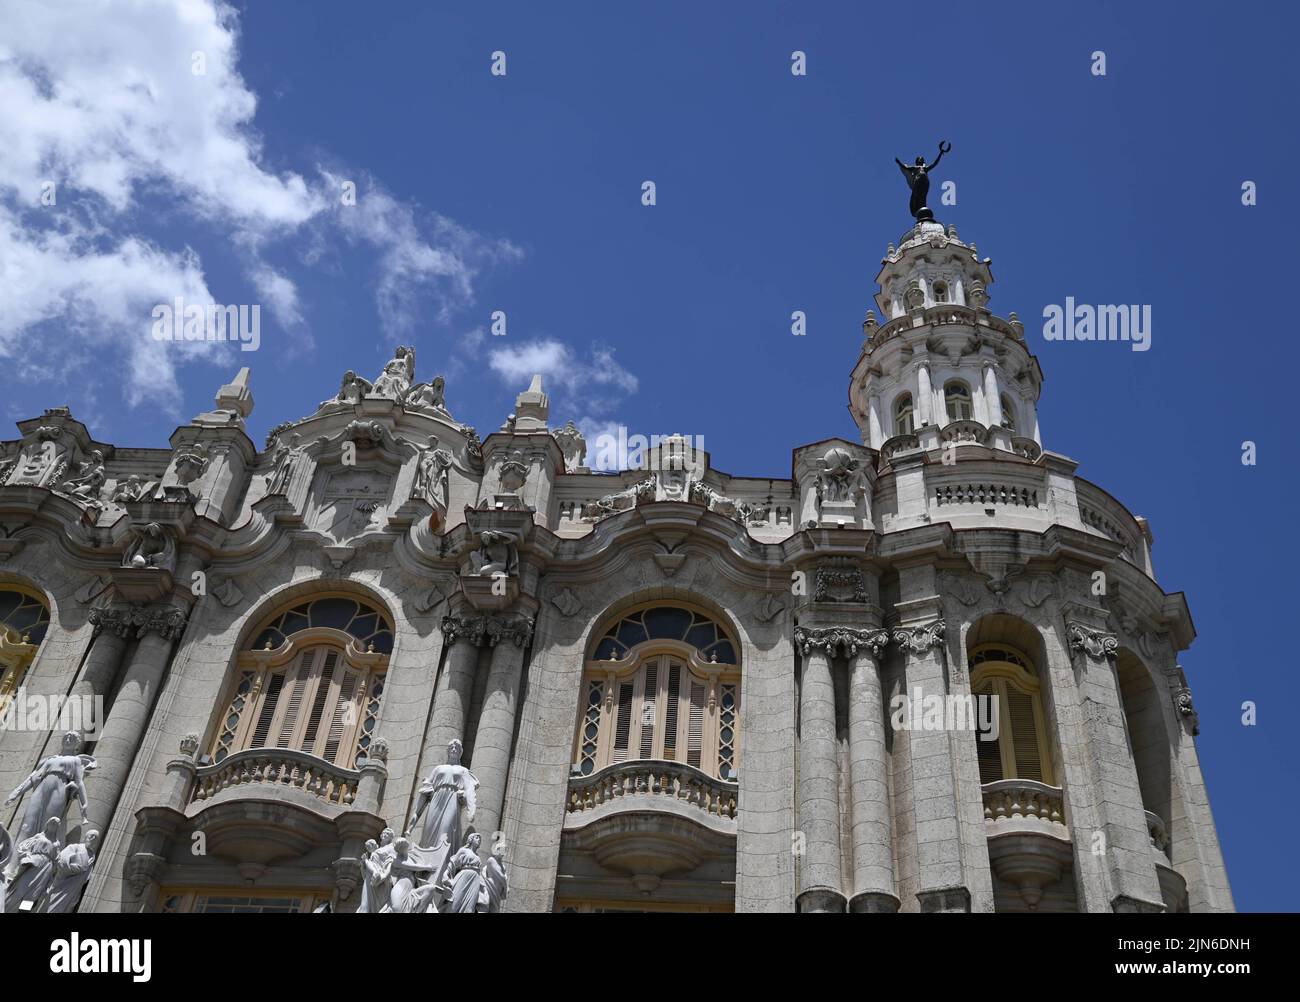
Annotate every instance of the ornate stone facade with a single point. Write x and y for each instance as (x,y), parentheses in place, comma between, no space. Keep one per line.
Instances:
(673,688)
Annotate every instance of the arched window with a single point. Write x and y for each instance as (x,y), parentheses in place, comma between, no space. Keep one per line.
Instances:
(956,395)
(940,292)
(24,618)
(311,681)
(1008,414)
(1020,748)
(662,683)
(903,423)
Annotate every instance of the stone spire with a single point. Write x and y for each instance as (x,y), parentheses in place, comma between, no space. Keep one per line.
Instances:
(941,369)
(532,407)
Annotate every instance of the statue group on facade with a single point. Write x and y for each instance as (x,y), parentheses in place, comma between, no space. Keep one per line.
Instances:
(436,865)
(43,872)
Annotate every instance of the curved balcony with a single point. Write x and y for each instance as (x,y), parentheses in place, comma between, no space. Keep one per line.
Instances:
(964,432)
(1026,447)
(654,785)
(899,443)
(1029,843)
(277,769)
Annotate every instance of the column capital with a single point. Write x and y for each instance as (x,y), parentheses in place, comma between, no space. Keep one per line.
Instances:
(919,639)
(488,630)
(1094,643)
(125,621)
(840,641)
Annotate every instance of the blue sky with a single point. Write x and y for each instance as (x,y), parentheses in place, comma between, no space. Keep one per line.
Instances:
(775,193)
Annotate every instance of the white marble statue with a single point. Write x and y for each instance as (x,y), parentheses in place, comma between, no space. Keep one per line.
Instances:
(53,784)
(133,488)
(351,390)
(431,475)
(86,485)
(496,554)
(426,396)
(463,876)
(398,374)
(34,868)
(446,802)
(377,874)
(72,868)
(286,463)
(416,887)
(495,886)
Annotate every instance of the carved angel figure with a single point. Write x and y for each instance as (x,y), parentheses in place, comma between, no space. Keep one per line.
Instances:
(426,396)
(398,374)
(53,783)
(351,390)
(496,553)
(133,488)
(85,486)
(152,547)
(446,801)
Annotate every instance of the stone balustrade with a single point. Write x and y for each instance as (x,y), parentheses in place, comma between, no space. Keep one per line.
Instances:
(1014,802)
(278,767)
(656,778)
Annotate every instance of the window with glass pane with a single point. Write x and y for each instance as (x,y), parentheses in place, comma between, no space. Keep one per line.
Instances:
(1008,414)
(641,701)
(957,396)
(903,424)
(1020,750)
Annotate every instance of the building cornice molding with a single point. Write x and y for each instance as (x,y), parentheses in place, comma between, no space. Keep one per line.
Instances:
(919,639)
(838,641)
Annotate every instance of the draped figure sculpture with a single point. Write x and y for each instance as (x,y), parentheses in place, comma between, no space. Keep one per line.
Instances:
(34,870)
(918,179)
(495,886)
(72,868)
(446,802)
(377,874)
(463,876)
(53,784)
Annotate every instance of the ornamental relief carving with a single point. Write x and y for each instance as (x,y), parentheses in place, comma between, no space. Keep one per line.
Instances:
(487,630)
(841,642)
(1095,643)
(840,580)
(919,639)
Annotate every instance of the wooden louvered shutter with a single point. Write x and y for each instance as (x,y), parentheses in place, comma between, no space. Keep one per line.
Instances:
(671,711)
(695,729)
(324,681)
(343,719)
(649,709)
(270,700)
(291,700)
(622,730)
(1024,734)
(990,754)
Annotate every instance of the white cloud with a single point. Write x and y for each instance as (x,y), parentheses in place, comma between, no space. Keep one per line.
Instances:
(102,100)
(593,385)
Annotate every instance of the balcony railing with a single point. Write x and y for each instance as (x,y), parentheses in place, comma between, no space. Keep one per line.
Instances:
(656,778)
(1023,803)
(279,767)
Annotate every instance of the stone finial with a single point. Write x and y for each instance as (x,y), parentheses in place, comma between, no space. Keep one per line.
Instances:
(190,743)
(234,403)
(532,407)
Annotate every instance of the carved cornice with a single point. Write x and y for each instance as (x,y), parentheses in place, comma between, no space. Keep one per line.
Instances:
(1094,643)
(840,642)
(919,639)
(489,630)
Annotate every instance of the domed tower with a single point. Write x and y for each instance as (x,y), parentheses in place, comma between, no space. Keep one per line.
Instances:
(942,369)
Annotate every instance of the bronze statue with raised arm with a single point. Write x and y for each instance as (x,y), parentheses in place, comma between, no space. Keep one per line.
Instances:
(918,179)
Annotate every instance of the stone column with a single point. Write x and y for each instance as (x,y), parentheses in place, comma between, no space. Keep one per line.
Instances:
(992,402)
(1117,796)
(455,687)
(924,397)
(123,730)
(112,628)
(874,889)
(942,881)
(820,882)
(875,431)
(490,761)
